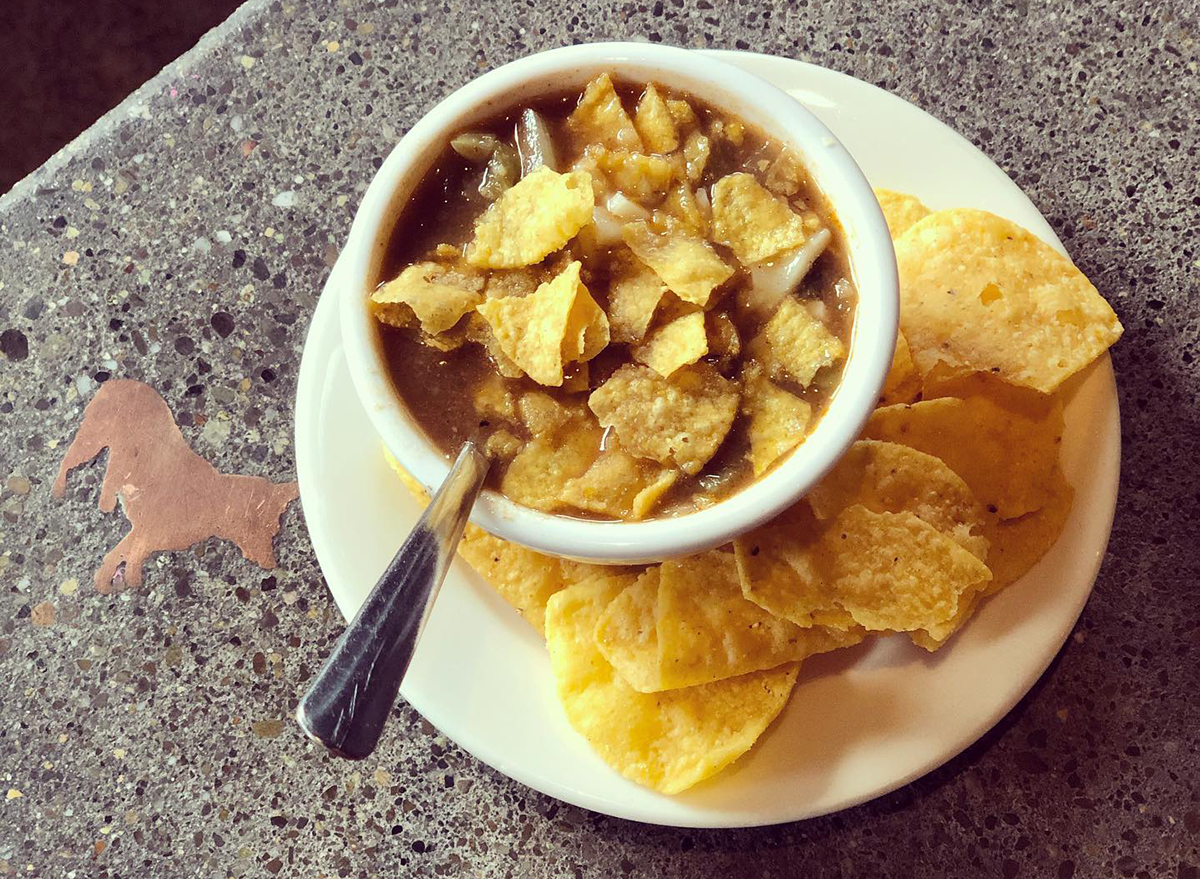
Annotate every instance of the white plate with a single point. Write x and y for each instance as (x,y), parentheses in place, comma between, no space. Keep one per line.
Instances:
(861,722)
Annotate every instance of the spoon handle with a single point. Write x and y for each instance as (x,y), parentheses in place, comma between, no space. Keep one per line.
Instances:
(349,700)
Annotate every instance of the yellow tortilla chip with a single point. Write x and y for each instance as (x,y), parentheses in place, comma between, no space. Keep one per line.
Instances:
(545,416)
(437,295)
(903,382)
(889,478)
(503,445)
(981,293)
(538,476)
(1018,544)
(707,631)
(686,264)
(494,399)
(600,117)
(626,633)
(675,344)
(893,572)
(667,741)
(678,421)
(780,571)
(795,344)
(524,578)
(532,219)
(681,204)
(696,150)
(784,175)
(681,112)
(558,324)
(724,342)
(900,210)
(633,296)
(778,421)
(638,176)
(1007,456)
(968,603)
(654,122)
(619,485)
(752,222)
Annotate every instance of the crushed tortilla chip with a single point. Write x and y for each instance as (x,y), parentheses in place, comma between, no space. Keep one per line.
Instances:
(795,344)
(682,112)
(752,222)
(619,485)
(667,741)
(638,176)
(696,150)
(494,399)
(1006,455)
(708,631)
(893,572)
(538,476)
(778,421)
(681,204)
(633,296)
(558,324)
(654,122)
(724,342)
(532,219)
(674,344)
(678,421)
(687,264)
(901,211)
(784,175)
(503,445)
(438,295)
(889,478)
(903,382)
(601,118)
(981,293)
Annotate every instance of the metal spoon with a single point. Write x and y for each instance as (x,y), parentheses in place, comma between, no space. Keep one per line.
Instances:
(349,700)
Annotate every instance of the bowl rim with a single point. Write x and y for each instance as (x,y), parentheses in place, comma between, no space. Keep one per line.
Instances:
(870,253)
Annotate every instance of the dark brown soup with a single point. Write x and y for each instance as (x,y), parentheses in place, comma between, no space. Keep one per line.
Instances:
(638,302)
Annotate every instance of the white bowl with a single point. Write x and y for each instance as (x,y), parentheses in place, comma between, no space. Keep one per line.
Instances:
(759,103)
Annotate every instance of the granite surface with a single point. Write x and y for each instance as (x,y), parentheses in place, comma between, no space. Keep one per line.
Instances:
(183,240)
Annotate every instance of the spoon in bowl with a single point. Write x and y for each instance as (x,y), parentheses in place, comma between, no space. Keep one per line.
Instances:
(348,702)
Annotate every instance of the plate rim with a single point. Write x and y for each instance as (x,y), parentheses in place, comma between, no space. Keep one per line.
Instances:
(325,314)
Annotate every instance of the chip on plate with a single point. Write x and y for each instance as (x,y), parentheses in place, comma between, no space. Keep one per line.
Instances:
(751,221)
(558,324)
(903,382)
(981,293)
(532,219)
(1018,544)
(795,344)
(900,210)
(667,741)
(626,633)
(674,344)
(684,262)
(1005,454)
(678,421)
(891,478)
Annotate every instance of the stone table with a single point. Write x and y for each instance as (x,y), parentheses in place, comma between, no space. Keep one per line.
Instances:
(183,240)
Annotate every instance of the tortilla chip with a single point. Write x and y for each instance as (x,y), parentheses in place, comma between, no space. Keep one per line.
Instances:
(494,399)
(626,633)
(1007,456)
(681,204)
(900,211)
(679,421)
(524,578)
(666,741)
(633,296)
(1018,544)
(724,342)
(675,344)
(890,478)
(532,219)
(654,122)
(785,174)
(681,112)
(968,603)
(538,476)
(795,344)
(979,292)
(686,264)
(893,572)
(558,324)
(415,488)
(752,222)
(619,485)
(778,421)
(696,150)
(781,571)
(708,631)
(601,118)
(437,295)
(638,176)
(903,382)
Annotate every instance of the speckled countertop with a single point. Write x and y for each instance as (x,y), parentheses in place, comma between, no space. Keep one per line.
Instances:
(183,240)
